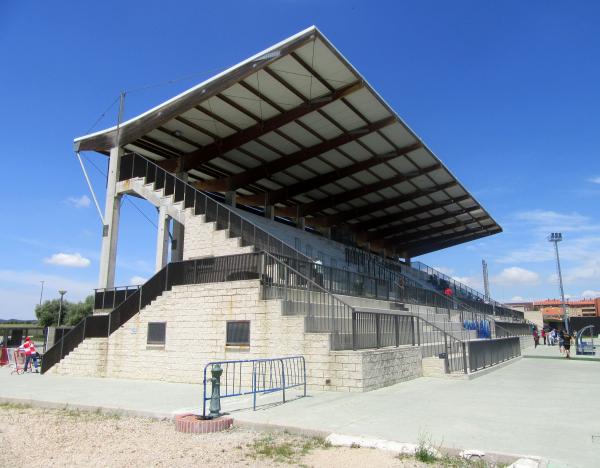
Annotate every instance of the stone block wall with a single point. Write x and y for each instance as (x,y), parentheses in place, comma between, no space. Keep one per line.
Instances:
(203,240)
(196,317)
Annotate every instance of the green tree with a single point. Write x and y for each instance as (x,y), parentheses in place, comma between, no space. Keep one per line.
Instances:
(79,311)
(47,313)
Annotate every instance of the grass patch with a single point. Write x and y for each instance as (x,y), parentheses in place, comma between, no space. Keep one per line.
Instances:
(286,449)
(14,406)
(425,452)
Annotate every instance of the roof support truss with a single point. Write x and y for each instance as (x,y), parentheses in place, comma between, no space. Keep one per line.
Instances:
(328,202)
(252,175)
(281,195)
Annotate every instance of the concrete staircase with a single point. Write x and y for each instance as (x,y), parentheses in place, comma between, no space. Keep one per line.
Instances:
(202,238)
(87,360)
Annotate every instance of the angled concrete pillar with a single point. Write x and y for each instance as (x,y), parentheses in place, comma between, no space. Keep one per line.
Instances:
(269,212)
(162,239)
(110,230)
(178,240)
(230,198)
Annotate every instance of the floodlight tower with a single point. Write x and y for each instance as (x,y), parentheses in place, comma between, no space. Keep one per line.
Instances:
(555,238)
(486,286)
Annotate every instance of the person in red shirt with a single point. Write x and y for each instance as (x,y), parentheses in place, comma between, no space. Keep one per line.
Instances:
(544,335)
(30,353)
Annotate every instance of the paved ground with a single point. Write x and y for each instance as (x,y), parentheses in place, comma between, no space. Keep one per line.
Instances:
(554,352)
(539,407)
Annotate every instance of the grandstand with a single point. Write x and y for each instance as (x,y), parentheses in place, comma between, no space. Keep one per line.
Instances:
(296,199)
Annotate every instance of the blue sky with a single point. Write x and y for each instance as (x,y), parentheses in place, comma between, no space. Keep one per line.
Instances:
(506,94)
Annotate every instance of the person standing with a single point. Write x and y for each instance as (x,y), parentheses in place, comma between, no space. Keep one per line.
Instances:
(567,344)
(561,341)
(30,353)
(536,338)
(544,335)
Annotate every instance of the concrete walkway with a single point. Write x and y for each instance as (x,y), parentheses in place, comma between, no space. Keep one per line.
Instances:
(542,407)
(549,352)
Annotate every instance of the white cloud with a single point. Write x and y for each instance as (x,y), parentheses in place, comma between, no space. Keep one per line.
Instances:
(515,276)
(595,180)
(137,280)
(81,202)
(75,260)
(517,298)
(590,293)
(20,291)
(547,221)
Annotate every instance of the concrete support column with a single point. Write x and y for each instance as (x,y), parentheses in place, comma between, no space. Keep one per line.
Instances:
(162,239)
(269,212)
(110,230)
(230,198)
(178,240)
(301,222)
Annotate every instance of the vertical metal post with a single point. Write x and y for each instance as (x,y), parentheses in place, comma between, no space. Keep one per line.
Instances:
(378,330)
(397,329)
(464,356)
(253,386)
(412,328)
(353,330)
(418,331)
(283,378)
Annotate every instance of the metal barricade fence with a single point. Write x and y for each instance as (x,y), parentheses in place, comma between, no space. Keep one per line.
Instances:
(256,376)
(486,353)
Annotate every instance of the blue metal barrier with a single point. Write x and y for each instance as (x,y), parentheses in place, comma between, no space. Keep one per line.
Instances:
(254,376)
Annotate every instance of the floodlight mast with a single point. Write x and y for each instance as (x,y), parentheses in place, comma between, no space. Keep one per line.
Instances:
(555,238)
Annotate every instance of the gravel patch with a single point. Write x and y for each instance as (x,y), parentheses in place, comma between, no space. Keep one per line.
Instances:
(58,438)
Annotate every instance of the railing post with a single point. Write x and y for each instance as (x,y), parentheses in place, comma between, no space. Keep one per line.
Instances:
(283,378)
(412,328)
(446,362)
(397,329)
(354,330)
(418,331)
(464,356)
(254,386)
(378,330)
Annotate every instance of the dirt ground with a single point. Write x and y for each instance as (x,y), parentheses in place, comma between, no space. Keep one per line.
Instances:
(53,438)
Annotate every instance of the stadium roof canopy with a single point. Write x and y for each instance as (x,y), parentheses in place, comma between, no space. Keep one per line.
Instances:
(298,128)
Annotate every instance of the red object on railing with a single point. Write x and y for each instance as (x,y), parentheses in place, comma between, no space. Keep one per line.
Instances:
(4,356)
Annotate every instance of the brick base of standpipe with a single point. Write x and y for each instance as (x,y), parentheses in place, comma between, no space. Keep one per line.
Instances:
(193,424)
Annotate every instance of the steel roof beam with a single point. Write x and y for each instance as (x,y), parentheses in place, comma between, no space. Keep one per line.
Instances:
(426,247)
(413,241)
(278,196)
(399,228)
(395,217)
(333,200)
(206,153)
(252,175)
(343,216)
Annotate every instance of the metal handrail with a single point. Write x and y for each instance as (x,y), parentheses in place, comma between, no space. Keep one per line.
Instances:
(422,267)
(196,192)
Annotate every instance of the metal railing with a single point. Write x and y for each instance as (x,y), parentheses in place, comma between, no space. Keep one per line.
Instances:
(92,326)
(506,329)
(376,330)
(109,298)
(302,295)
(257,376)
(465,293)
(133,165)
(229,268)
(486,353)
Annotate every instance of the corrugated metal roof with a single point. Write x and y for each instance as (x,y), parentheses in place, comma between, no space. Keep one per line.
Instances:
(297,126)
